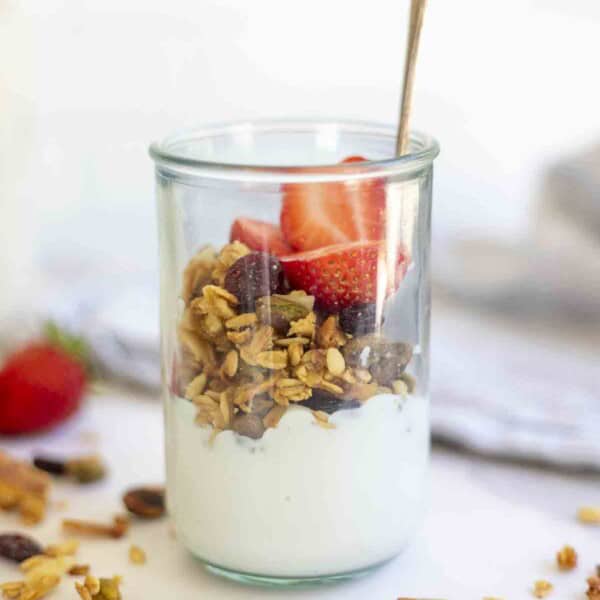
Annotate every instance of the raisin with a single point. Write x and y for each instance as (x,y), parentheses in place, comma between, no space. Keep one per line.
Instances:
(17,547)
(359,319)
(255,275)
(145,502)
(50,465)
(328,402)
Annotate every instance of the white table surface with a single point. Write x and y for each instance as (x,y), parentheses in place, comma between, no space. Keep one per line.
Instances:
(491,529)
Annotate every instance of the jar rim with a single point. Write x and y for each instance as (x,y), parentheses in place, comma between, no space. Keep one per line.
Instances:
(167,154)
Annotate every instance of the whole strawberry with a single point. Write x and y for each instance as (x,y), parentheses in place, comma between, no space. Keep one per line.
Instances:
(42,384)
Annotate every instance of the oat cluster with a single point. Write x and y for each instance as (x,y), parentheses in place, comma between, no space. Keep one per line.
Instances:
(23,488)
(243,368)
(566,558)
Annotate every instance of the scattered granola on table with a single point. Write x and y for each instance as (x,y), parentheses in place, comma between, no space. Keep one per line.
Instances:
(593,591)
(251,347)
(542,588)
(137,556)
(566,558)
(84,469)
(99,589)
(589,515)
(117,529)
(23,488)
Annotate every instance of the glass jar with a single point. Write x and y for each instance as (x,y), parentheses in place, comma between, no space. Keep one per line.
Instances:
(295,309)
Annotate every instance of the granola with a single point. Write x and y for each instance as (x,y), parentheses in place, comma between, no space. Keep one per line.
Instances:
(542,588)
(566,558)
(237,345)
(23,488)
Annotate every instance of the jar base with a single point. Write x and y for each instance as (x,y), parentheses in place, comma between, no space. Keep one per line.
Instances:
(289,582)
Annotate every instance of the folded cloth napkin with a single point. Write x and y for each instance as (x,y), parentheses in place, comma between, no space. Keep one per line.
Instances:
(555,272)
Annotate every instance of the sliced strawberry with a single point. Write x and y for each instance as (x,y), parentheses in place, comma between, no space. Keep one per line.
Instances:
(345,274)
(315,215)
(258,235)
(354,158)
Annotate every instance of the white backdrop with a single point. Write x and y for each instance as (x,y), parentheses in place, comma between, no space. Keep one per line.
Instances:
(507,86)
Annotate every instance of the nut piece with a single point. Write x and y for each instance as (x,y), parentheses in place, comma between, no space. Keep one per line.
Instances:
(118,528)
(230,364)
(589,514)
(279,311)
(146,502)
(83,592)
(17,547)
(86,469)
(566,558)
(336,364)
(542,588)
(23,488)
(67,548)
(136,555)
(330,335)
(593,591)
(78,570)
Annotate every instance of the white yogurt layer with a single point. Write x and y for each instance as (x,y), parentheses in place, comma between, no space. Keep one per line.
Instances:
(302,500)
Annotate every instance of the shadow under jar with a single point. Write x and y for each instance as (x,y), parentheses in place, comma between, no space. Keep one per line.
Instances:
(295,309)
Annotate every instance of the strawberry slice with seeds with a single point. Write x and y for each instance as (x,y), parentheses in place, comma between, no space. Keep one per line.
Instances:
(346,274)
(258,235)
(315,215)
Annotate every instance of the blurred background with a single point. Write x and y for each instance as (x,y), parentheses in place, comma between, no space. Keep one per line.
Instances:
(509,89)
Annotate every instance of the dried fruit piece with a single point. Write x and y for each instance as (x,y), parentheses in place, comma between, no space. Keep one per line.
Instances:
(359,319)
(117,529)
(50,465)
(325,401)
(248,425)
(255,275)
(566,558)
(258,235)
(136,555)
(279,311)
(542,588)
(18,547)
(145,502)
(385,360)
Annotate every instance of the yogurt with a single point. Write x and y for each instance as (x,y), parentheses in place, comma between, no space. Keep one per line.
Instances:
(301,501)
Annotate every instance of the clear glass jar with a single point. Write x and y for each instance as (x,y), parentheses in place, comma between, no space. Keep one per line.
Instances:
(295,309)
